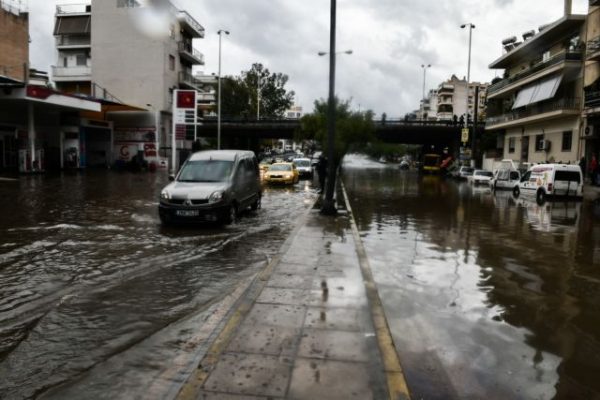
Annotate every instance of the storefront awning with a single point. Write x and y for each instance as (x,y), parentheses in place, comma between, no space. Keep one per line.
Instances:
(543,90)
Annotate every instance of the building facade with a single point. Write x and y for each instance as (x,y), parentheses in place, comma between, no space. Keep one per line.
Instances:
(449,100)
(14,46)
(591,109)
(536,107)
(124,52)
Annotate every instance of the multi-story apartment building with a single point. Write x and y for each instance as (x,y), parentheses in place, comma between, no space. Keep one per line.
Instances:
(591,111)
(449,100)
(536,106)
(119,51)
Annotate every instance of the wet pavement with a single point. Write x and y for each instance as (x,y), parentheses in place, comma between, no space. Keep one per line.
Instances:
(304,330)
(96,298)
(487,296)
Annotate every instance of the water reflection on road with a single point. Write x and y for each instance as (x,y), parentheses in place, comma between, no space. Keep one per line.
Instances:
(488,296)
(97,296)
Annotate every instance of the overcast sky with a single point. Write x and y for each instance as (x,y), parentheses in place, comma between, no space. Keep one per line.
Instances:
(390,40)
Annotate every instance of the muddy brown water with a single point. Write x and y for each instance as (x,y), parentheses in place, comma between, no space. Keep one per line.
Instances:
(97,300)
(488,296)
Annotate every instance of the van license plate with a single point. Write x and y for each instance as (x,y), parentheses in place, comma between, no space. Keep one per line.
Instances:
(187,213)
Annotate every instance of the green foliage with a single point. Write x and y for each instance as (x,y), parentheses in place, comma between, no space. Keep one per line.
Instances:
(354,129)
(240,93)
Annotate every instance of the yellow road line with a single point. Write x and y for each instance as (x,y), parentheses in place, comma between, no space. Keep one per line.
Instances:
(396,382)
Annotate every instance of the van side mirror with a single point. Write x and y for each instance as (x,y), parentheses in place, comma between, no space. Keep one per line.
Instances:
(171,178)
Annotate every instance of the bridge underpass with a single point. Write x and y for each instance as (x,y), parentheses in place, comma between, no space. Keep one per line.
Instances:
(436,135)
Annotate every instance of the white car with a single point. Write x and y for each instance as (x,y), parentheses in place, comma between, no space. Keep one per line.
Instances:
(480,177)
(304,167)
(505,179)
(546,180)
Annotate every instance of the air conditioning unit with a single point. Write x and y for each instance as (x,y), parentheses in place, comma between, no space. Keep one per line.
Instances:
(547,145)
(588,130)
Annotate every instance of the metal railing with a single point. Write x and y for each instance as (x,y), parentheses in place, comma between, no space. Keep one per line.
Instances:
(557,59)
(572,104)
(593,46)
(70,40)
(592,99)
(80,8)
(188,19)
(189,49)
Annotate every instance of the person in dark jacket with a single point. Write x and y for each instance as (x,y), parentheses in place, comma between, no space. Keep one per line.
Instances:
(322,172)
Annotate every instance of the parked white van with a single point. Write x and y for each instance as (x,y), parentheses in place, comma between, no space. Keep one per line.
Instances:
(545,180)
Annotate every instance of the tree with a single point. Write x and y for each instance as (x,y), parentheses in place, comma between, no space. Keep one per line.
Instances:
(240,93)
(354,129)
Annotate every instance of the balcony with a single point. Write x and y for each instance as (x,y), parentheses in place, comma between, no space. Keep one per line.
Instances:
(592,99)
(71,9)
(187,79)
(535,112)
(65,42)
(539,67)
(190,24)
(445,101)
(74,74)
(593,49)
(190,54)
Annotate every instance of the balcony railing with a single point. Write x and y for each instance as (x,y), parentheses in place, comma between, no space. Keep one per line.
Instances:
(71,72)
(73,9)
(69,40)
(557,59)
(593,46)
(592,99)
(564,104)
(192,52)
(191,22)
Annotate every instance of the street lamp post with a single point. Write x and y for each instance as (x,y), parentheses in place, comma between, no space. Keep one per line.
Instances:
(471,27)
(220,33)
(425,67)
(258,89)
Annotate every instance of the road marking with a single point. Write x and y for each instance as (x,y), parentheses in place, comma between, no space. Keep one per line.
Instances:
(7,179)
(397,387)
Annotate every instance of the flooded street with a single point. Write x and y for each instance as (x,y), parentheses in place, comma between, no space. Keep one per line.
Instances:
(487,296)
(95,294)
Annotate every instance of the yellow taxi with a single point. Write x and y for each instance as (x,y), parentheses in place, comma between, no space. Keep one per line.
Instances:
(285,173)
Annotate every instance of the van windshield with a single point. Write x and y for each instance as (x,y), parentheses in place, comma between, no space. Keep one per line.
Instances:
(206,171)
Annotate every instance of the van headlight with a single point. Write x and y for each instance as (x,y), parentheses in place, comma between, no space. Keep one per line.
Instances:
(216,197)
(165,195)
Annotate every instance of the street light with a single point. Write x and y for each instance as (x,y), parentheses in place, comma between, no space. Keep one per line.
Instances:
(258,90)
(220,33)
(425,67)
(471,27)
(322,53)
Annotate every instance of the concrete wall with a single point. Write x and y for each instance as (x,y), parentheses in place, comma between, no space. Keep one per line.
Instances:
(552,131)
(14,44)
(130,65)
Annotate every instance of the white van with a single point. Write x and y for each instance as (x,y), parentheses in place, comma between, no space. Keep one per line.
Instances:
(545,180)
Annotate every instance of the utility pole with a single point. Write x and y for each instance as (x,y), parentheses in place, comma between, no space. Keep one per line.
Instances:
(328,207)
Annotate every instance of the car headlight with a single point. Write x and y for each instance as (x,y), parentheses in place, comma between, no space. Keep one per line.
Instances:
(216,197)
(165,195)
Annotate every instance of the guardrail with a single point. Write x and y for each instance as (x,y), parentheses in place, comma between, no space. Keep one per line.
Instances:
(67,72)
(535,109)
(557,59)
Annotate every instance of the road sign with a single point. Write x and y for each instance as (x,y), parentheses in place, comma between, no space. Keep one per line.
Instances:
(465,135)
(185,113)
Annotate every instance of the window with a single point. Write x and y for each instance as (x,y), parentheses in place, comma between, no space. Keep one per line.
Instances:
(539,142)
(81,60)
(171,62)
(567,140)
(511,144)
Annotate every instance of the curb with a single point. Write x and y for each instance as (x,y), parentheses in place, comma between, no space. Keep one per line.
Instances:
(396,381)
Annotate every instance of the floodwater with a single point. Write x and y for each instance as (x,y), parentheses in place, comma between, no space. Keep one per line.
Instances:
(487,296)
(97,300)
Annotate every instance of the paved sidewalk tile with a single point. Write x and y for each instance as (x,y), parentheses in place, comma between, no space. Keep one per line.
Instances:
(276,315)
(251,374)
(332,380)
(343,319)
(335,345)
(269,340)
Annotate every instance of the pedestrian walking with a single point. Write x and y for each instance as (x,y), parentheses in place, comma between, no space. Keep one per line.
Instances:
(594,170)
(322,172)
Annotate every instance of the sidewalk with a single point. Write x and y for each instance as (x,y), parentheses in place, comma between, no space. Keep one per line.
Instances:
(310,327)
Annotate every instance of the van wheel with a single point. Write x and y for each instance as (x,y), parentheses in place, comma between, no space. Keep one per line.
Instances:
(231,215)
(516,191)
(541,196)
(257,203)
